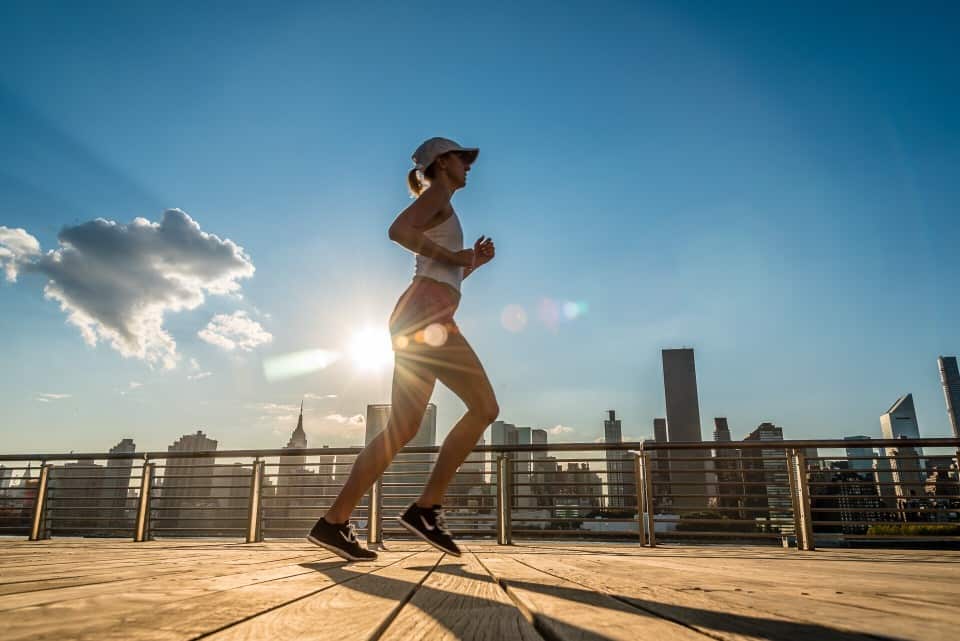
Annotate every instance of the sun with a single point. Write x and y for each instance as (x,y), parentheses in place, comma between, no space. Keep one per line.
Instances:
(370,349)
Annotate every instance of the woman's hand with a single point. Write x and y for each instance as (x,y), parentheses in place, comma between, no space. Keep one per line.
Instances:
(484,251)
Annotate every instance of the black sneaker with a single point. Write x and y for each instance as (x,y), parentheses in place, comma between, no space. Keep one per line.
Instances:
(430,525)
(341,540)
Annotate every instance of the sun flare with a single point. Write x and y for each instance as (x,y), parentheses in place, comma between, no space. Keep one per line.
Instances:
(370,349)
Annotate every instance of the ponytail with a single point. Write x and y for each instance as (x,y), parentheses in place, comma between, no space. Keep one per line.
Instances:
(413,182)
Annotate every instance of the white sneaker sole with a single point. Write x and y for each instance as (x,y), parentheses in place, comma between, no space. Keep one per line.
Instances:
(343,554)
(423,538)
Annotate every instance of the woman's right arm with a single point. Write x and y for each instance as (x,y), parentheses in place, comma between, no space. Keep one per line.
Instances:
(407,230)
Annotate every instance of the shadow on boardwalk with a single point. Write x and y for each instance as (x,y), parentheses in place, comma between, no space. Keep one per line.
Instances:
(699,623)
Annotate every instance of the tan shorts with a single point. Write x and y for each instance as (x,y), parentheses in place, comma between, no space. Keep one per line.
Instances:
(423,317)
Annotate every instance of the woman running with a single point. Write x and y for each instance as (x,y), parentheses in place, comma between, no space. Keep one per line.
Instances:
(428,346)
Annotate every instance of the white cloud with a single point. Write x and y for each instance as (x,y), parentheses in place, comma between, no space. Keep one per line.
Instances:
(234,331)
(194,365)
(131,386)
(319,397)
(199,376)
(116,282)
(557,430)
(356,419)
(274,407)
(46,398)
(16,246)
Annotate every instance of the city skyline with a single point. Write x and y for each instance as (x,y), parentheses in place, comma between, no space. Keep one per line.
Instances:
(899,421)
(761,231)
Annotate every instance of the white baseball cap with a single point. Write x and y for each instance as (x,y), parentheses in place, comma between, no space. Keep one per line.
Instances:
(433,148)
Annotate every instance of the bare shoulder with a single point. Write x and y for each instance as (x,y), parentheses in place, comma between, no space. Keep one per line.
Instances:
(425,211)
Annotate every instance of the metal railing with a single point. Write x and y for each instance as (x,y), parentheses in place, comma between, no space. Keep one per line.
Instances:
(800,492)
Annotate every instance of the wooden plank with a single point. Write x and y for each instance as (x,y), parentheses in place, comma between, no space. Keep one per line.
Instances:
(145,567)
(207,576)
(460,600)
(358,607)
(563,610)
(742,608)
(889,574)
(162,618)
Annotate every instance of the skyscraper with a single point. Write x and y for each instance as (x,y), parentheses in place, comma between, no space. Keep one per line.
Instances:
(523,471)
(900,421)
(6,479)
(905,467)
(116,483)
(297,486)
(727,467)
(767,466)
(186,483)
(950,379)
(502,433)
(683,425)
(410,470)
(660,462)
(863,457)
(621,487)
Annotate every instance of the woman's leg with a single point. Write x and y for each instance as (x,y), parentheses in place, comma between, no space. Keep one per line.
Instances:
(462,372)
(412,386)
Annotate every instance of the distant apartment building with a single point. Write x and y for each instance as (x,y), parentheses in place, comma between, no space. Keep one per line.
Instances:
(575,493)
(845,501)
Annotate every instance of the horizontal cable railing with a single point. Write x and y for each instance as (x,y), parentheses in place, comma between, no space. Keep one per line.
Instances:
(787,491)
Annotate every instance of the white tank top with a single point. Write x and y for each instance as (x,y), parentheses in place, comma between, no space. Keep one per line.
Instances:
(449,235)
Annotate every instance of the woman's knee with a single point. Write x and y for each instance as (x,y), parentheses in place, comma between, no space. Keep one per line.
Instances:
(487,409)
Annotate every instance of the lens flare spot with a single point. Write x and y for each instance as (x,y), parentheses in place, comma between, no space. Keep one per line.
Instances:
(401,342)
(549,313)
(573,310)
(513,318)
(294,364)
(418,337)
(435,335)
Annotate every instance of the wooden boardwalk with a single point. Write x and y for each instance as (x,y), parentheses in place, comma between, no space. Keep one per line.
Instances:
(284,590)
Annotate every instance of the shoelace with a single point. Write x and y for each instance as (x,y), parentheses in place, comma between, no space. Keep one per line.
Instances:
(352,532)
(440,518)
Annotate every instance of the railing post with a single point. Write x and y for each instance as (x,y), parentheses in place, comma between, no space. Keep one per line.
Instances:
(504,501)
(648,496)
(804,522)
(639,474)
(375,516)
(791,457)
(37,529)
(142,529)
(254,531)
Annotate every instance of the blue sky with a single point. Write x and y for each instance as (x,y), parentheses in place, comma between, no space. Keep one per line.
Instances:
(775,187)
